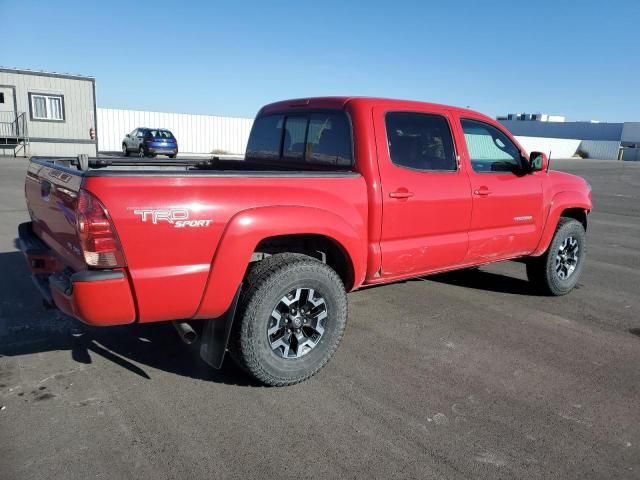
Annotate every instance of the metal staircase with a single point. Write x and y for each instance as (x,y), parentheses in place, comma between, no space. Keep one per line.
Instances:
(13,132)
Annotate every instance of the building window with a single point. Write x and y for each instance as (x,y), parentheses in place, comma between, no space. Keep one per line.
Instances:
(47,107)
(1,97)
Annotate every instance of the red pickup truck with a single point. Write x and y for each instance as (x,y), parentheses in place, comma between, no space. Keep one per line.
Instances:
(333,194)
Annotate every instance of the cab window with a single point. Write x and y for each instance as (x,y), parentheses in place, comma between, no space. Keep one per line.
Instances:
(490,150)
(420,141)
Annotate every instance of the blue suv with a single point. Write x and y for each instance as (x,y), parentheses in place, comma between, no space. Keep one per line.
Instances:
(149,142)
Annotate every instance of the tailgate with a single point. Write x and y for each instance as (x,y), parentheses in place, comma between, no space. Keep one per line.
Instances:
(52,195)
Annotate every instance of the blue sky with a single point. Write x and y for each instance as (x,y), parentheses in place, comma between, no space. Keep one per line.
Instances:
(579,59)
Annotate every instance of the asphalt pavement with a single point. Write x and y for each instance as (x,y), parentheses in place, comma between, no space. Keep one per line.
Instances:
(463,375)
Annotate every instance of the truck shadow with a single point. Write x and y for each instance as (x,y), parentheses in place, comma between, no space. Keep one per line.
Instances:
(26,327)
(483,280)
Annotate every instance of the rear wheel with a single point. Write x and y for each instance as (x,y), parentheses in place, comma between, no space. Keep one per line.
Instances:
(291,318)
(172,156)
(558,271)
(141,153)
(125,150)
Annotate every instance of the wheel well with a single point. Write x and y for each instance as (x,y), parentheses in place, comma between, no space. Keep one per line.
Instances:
(578,214)
(323,248)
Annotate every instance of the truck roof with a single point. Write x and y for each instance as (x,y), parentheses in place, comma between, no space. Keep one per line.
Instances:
(340,102)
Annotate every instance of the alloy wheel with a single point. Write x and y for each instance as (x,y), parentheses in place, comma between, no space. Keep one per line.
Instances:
(567,257)
(297,323)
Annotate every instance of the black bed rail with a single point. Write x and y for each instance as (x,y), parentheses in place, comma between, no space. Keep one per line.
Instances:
(84,162)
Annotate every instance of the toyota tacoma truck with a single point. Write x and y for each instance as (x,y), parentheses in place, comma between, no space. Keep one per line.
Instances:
(255,257)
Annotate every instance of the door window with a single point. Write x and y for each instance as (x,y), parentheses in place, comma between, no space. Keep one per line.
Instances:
(420,141)
(490,150)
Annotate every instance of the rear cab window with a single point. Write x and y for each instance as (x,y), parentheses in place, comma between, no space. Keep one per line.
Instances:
(314,140)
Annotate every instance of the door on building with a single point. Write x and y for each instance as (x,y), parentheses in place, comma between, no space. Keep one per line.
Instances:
(7,112)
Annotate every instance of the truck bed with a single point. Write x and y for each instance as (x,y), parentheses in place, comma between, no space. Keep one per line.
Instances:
(185,225)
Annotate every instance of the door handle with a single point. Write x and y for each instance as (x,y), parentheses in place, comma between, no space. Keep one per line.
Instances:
(401,194)
(482,191)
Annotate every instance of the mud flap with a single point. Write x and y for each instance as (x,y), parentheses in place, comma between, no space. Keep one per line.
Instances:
(216,335)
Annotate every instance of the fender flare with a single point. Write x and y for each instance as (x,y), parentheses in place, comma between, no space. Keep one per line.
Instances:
(560,202)
(248,228)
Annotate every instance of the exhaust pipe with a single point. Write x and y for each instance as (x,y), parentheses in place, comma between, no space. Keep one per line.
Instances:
(186,333)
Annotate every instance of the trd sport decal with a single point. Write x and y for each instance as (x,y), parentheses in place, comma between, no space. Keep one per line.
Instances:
(178,217)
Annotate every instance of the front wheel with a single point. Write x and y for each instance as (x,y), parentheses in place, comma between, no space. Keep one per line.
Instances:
(291,318)
(125,150)
(558,271)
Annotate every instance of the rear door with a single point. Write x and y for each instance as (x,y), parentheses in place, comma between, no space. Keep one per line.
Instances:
(426,192)
(129,140)
(507,202)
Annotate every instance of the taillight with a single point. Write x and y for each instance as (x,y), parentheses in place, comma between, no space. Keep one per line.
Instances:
(98,237)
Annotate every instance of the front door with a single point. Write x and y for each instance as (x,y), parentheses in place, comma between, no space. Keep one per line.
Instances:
(507,201)
(426,193)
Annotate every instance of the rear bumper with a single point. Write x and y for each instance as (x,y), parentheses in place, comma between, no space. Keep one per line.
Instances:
(95,297)
(163,150)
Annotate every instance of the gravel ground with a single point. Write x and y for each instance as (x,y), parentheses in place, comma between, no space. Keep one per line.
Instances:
(463,375)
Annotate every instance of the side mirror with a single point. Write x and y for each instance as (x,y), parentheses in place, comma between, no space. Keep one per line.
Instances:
(538,162)
(128,136)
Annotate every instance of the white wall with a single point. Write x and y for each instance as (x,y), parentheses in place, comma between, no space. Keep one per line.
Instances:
(600,149)
(559,147)
(195,133)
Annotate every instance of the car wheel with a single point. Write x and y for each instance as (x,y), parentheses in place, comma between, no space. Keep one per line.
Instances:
(171,156)
(558,270)
(141,153)
(291,318)
(125,150)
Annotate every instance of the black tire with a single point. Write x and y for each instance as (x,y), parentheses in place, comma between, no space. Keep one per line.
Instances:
(125,150)
(141,152)
(171,156)
(265,285)
(542,271)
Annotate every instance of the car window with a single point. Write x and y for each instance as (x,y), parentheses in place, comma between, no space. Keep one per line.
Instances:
(140,133)
(134,133)
(304,140)
(295,132)
(490,150)
(264,140)
(420,141)
(329,140)
(162,134)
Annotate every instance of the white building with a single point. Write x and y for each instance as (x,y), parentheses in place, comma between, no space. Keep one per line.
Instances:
(600,140)
(45,113)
